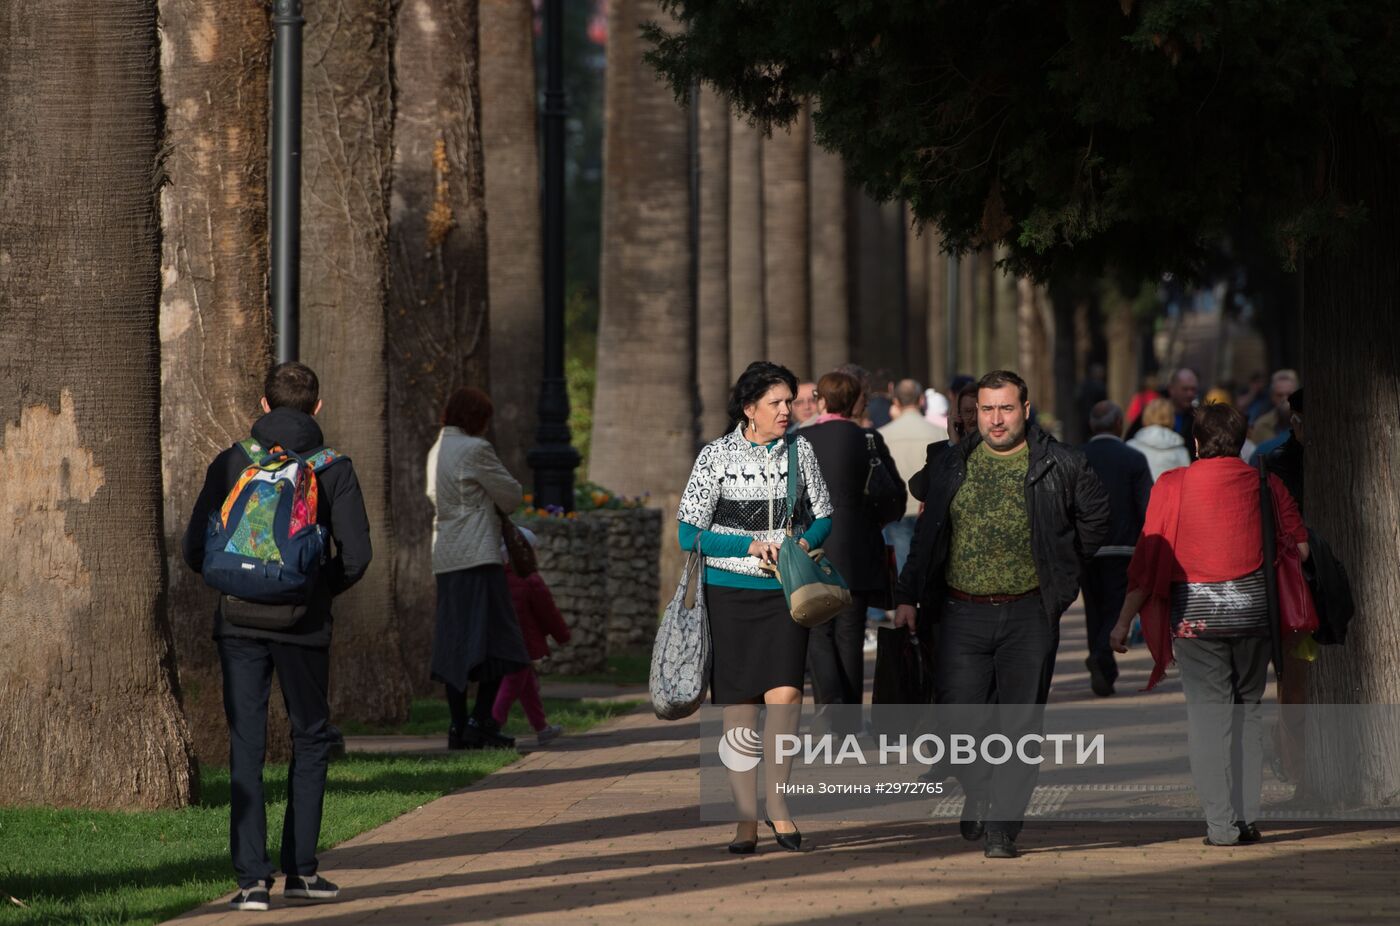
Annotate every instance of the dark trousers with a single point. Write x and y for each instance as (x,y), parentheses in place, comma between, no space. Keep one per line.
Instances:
(304,674)
(1105,586)
(836,660)
(486,690)
(1001,656)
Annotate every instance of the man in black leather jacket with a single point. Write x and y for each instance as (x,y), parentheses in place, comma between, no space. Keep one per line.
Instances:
(1010,517)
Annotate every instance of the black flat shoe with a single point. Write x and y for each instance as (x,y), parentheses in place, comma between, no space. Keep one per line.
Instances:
(1000,845)
(747,847)
(1248,831)
(973,824)
(789,841)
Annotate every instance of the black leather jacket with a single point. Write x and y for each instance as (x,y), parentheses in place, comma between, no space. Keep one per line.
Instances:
(1069,518)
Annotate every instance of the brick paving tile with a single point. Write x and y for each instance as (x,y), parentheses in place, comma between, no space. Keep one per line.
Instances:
(603,828)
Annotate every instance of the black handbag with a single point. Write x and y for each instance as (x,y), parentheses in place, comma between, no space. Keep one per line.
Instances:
(903,677)
(884,493)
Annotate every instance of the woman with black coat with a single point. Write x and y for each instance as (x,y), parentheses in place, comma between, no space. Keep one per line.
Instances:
(856,547)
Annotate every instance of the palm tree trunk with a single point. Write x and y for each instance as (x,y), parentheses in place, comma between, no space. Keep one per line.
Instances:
(712,299)
(918,283)
(89,708)
(215,329)
(788,322)
(437,282)
(510,146)
(831,307)
(936,334)
(346,153)
(746,312)
(644,408)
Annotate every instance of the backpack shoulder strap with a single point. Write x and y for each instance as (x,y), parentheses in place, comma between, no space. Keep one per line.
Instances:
(320,459)
(256,452)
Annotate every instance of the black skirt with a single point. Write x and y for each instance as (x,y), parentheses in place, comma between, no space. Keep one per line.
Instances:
(476,635)
(755,642)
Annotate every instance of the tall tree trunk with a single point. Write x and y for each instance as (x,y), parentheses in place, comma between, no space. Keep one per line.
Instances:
(936,334)
(1036,343)
(967,316)
(643,414)
(787,323)
(1005,349)
(437,281)
(746,312)
(917,284)
(1061,406)
(345,220)
(215,330)
(712,298)
(1122,334)
(511,149)
(878,283)
(1351,323)
(830,296)
(89,709)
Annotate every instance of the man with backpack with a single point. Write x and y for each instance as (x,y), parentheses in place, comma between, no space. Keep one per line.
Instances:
(279,529)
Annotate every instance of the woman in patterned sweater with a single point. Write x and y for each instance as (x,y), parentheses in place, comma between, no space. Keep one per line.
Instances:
(734,512)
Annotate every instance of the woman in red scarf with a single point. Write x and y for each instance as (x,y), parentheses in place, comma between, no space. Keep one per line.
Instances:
(1197,578)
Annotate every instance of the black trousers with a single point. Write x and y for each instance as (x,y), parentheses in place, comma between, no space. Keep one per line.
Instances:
(836,661)
(304,674)
(1105,586)
(1001,657)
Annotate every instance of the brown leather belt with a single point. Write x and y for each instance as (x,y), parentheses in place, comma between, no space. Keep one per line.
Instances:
(959,595)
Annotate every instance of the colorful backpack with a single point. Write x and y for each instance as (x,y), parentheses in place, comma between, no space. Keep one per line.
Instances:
(264,545)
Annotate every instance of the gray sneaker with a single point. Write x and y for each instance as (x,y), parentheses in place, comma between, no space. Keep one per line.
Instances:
(250,898)
(548,734)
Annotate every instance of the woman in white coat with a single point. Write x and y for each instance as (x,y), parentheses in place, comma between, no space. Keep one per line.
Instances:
(1164,448)
(476,638)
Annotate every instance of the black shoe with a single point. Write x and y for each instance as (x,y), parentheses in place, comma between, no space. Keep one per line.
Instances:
(455,740)
(973,824)
(789,841)
(1000,845)
(745,847)
(1224,845)
(1248,831)
(487,735)
(312,888)
(1102,685)
(250,898)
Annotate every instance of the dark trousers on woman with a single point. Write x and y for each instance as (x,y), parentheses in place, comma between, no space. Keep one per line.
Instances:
(1002,655)
(304,674)
(486,690)
(836,660)
(1224,679)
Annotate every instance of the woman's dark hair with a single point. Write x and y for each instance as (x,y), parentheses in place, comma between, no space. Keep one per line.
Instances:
(841,392)
(1219,431)
(292,385)
(999,378)
(470,409)
(754,383)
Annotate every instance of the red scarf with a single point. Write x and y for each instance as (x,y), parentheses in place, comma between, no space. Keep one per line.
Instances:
(1214,538)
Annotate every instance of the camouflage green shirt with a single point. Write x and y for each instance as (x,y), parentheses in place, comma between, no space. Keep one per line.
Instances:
(990,553)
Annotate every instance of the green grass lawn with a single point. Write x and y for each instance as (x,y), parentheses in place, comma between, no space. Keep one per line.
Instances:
(76,866)
(633,669)
(428,717)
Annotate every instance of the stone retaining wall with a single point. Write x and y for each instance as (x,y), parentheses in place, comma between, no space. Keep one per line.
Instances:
(602,568)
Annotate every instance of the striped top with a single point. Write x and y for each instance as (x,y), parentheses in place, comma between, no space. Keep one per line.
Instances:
(1233,608)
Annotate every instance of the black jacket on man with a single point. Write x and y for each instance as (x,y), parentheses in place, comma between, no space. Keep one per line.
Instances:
(340,509)
(855,545)
(1066,504)
(1128,480)
(1286,462)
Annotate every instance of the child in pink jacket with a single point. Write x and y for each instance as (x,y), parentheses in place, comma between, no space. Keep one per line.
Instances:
(539,618)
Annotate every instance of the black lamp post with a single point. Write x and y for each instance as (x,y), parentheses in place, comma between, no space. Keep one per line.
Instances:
(285,232)
(554,458)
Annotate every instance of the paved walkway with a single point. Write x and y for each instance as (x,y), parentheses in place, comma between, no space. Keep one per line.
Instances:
(603,828)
